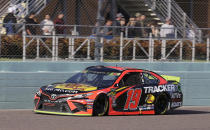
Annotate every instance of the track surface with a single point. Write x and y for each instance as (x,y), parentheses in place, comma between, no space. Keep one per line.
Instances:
(185,118)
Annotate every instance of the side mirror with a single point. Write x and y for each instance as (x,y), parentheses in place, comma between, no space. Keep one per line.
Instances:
(116,85)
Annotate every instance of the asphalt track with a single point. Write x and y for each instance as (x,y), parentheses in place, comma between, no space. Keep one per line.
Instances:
(185,118)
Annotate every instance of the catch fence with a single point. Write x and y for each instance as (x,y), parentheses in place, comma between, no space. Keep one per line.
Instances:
(77,42)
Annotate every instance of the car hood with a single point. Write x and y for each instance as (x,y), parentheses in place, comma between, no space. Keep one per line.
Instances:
(68,88)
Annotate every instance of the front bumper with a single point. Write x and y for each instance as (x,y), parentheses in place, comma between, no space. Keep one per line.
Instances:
(61,106)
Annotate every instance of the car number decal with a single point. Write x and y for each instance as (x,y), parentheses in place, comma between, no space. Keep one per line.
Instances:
(133,97)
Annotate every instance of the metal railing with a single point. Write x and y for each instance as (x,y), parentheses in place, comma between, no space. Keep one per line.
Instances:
(170,9)
(77,43)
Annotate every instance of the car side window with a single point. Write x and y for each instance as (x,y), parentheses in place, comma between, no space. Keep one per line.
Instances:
(130,79)
(147,78)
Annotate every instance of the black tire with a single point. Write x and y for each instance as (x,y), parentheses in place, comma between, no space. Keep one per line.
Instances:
(100,106)
(161,104)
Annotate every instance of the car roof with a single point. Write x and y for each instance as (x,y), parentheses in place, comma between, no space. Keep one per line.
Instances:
(109,68)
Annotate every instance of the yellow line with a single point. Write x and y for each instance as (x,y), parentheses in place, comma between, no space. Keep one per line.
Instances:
(61,113)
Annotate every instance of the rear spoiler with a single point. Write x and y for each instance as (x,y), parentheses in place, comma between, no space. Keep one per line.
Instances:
(171,78)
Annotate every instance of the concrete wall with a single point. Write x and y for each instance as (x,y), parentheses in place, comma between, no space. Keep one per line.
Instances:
(19,81)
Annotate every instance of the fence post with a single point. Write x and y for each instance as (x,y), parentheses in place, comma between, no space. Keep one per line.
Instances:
(126,32)
(75,30)
(72,48)
(169,8)
(134,49)
(88,49)
(193,50)
(102,49)
(150,47)
(153,48)
(24,42)
(37,48)
(69,50)
(184,25)
(181,51)
(176,33)
(56,48)
(200,35)
(207,51)
(121,46)
(163,50)
(53,46)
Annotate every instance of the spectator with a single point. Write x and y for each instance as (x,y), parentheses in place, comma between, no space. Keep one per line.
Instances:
(47,25)
(191,32)
(131,28)
(153,29)
(122,25)
(107,31)
(59,24)
(167,29)
(140,31)
(9,23)
(31,29)
(118,20)
(148,29)
(94,30)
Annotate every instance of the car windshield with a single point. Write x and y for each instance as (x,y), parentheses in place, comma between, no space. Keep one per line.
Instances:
(94,78)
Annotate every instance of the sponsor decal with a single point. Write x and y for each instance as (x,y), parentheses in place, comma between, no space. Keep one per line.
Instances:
(150,99)
(160,88)
(79,87)
(53,96)
(112,95)
(176,104)
(89,102)
(176,95)
(146,107)
(62,90)
(57,101)
(49,104)
(104,73)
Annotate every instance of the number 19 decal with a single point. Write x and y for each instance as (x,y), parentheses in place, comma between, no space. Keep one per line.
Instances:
(133,97)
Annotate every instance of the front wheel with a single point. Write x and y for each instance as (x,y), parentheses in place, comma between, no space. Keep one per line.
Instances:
(100,106)
(161,104)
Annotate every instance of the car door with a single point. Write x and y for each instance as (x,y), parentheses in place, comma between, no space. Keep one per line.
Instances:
(128,98)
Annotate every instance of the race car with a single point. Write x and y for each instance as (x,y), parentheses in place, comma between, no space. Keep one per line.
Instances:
(109,90)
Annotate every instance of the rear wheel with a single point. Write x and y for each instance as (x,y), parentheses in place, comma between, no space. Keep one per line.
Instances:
(100,107)
(161,104)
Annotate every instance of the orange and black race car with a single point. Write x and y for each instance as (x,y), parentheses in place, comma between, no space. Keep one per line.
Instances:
(100,90)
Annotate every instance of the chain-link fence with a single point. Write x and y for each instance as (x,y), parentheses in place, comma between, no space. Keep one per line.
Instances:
(77,42)
(197,10)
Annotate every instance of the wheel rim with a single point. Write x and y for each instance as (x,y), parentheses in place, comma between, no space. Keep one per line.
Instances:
(101,106)
(161,104)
